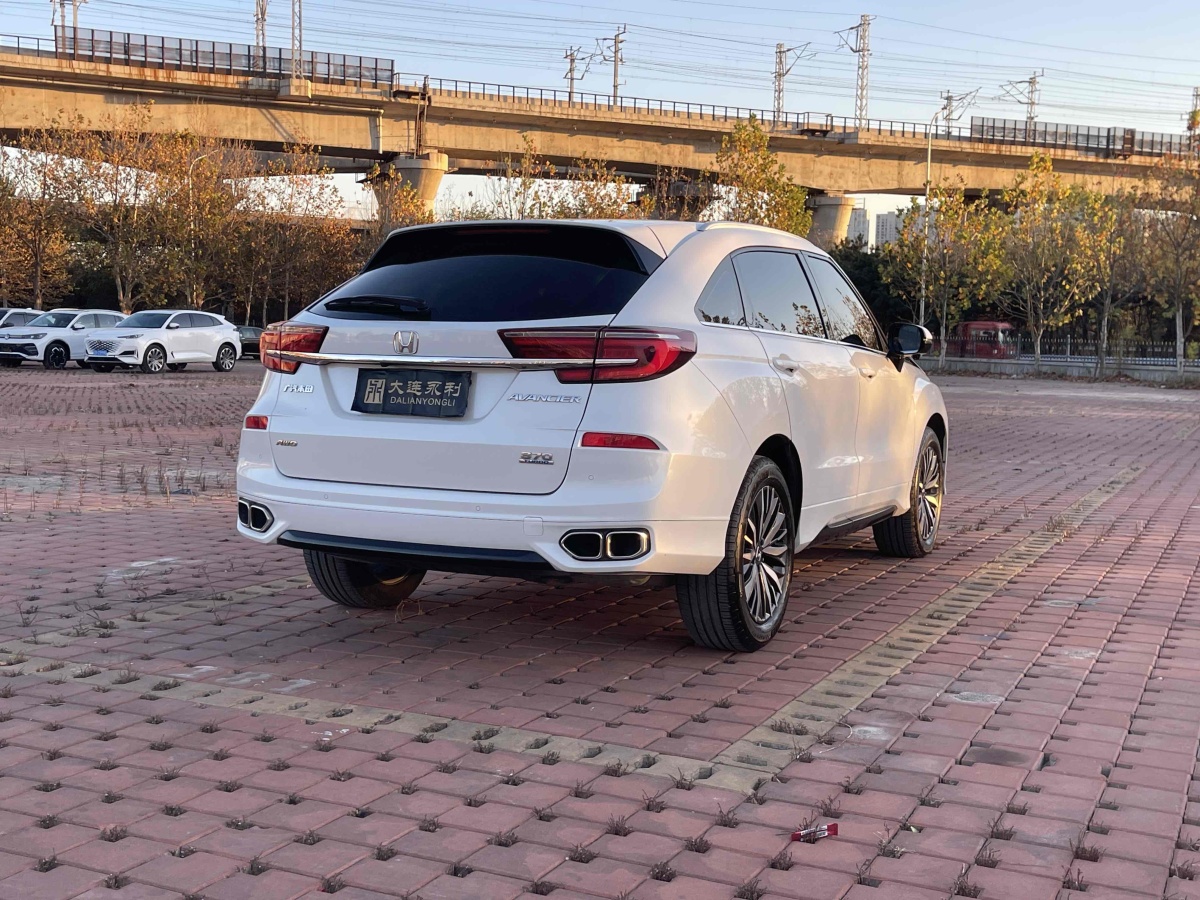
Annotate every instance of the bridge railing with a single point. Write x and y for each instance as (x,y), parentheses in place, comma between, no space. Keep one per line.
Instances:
(1108,142)
(219,57)
(27,46)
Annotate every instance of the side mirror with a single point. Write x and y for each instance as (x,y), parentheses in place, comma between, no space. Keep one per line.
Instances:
(908,341)
(172,325)
(77,327)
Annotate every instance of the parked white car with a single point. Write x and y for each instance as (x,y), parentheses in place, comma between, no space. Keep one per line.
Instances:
(54,338)
(13,317)
(560,400)
(154,340)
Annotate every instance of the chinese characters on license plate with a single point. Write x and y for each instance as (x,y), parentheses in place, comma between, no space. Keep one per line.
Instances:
(412,392)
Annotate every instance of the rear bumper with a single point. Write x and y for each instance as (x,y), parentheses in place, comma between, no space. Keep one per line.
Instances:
(471,532)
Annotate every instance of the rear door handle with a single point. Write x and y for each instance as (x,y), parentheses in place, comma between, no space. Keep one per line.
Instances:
(867,372)
(785,364)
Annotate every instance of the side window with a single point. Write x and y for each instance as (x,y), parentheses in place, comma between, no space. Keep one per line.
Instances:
(183,320)
(85,322)
(845,315)
(109,321)
(199,320)
(720,302)
(777,294)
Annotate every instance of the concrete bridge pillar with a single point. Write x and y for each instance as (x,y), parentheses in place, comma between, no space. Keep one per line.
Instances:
(831,217)
(424,173)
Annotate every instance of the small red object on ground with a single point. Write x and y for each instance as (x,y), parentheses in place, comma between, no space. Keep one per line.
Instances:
(814,834)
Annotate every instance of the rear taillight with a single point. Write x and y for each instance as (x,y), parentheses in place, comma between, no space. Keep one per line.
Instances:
(618,441)
(256,423)
(289,337)
(651,352)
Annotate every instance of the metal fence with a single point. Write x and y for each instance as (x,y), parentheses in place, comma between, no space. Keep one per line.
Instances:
(1119,352)
(1111,142)
(219,57)
(27,46)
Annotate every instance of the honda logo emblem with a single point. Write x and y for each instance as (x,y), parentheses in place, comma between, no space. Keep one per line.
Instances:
(406,342)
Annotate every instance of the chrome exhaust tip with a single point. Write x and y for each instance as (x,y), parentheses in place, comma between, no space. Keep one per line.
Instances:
(255,516)
(598,546)
(626,544)
(587,546)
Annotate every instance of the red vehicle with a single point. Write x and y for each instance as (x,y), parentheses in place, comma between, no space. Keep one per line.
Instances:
(982,340)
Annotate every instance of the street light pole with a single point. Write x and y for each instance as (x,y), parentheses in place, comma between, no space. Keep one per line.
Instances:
(928,180)
(192,229)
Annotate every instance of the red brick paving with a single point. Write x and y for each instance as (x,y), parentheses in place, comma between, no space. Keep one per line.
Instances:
(1058,719)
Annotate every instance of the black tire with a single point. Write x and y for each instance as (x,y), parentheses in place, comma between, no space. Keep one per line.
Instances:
(226,358)
(360,585)
(910,534)
(57,356)
(83,364)
(154,360)
(103,368)
(176,367)
(719,610)
(10,363)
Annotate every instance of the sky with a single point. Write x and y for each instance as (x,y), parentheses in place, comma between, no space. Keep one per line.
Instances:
(1103,63)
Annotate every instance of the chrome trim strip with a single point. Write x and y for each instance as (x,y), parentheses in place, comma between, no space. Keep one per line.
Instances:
(443,362)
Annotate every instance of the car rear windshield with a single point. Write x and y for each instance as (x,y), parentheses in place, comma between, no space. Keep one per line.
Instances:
(496,273)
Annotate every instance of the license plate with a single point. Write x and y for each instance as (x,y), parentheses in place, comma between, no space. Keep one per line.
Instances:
(99,353)
(412,392)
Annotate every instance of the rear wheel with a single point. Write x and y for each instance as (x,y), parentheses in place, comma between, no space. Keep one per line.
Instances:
(176,367)
(103,368)
(154,361)
(741,605)
(914,533)
(57,356)
(361,585)
(226,358)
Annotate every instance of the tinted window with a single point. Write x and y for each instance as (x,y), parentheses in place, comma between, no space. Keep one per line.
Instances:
(85,322)
(54,320)
(146,320)
(199,320)
(845,315)
(776,293)
(493,274)
(720,302)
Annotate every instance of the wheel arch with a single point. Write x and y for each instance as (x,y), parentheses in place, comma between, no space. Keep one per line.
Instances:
(779,449)
(937,423)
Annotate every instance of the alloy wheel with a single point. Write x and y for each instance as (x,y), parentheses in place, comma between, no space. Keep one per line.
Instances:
(155,359)
(57,356)
(226,359)
(929,493)
(766,557)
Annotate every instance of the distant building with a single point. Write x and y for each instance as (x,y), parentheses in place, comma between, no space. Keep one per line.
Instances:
(860,226)
(887,227)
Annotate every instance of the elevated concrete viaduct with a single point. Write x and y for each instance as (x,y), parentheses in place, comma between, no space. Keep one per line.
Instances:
(424,130)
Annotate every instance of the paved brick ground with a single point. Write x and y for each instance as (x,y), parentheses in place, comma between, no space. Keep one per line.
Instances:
(1016,716)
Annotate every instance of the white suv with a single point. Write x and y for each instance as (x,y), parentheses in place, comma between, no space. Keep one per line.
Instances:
(54,338)
(159,339)
(597,400)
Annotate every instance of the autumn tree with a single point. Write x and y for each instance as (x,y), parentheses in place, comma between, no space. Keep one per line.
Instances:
(1119,242)
(122,202)
(755,186)
(200,191)
(950,262)
(34,205)
(1172,191)
(1050,247)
